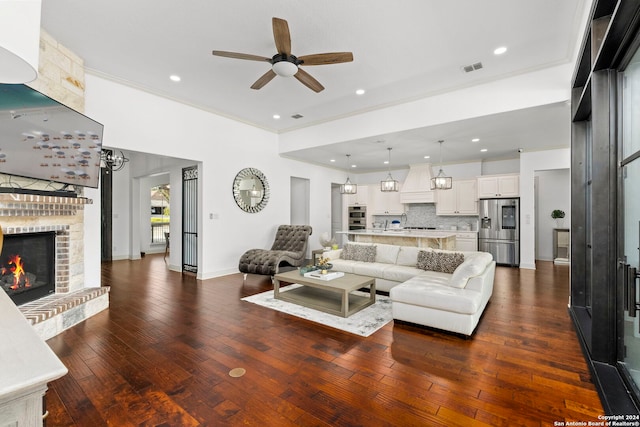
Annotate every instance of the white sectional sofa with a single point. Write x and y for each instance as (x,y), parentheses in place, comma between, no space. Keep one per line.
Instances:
(441,294)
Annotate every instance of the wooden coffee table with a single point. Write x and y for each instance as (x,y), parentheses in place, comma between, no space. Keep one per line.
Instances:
(331,296)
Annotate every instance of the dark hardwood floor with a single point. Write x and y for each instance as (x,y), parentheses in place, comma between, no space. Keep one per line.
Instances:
(161,356)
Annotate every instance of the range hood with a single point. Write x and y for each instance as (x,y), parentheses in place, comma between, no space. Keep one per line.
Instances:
(417,185)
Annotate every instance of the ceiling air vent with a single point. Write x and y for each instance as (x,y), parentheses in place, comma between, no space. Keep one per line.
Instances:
(297,116)
(472,67)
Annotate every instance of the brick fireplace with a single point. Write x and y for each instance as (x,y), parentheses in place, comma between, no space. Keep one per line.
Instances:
(73,300)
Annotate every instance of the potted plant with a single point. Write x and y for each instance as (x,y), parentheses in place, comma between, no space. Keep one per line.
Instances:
(558,216)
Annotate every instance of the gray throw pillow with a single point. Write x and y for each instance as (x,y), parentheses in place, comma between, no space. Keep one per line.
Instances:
(364,253)
(347,251)
(442,262)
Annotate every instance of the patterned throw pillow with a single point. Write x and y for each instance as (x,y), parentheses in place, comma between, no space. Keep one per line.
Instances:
(364,253)
(439,261)
(347,252)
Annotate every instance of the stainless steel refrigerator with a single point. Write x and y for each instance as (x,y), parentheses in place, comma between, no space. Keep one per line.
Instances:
(499,230)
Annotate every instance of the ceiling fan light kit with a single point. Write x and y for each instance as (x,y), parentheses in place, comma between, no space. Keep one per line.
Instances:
(285,68)
(285,64)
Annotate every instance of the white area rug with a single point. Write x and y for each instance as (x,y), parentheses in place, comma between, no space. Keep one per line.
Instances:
(364,323)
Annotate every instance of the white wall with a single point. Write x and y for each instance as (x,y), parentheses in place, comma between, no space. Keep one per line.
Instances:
(540,87)
(529,164)
(553,192)
(92,249)
(496,167)
(138,121)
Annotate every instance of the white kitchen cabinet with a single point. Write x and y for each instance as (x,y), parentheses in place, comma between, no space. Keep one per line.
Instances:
(493,186)
(361,198)
(385,202)
(467,241)
(460,200)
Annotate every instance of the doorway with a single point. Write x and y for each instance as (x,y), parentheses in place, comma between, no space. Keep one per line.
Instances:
(552,191)
(300,200)
(190,220)
(336,211)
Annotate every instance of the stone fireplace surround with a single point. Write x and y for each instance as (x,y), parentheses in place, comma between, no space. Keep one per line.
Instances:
(73,300)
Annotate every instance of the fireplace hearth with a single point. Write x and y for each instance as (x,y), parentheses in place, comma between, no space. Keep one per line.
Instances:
(27,266)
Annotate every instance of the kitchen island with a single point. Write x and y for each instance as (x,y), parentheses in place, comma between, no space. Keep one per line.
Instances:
(436,239)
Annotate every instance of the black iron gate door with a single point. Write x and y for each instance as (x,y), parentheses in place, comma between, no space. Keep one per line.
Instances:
(190,219)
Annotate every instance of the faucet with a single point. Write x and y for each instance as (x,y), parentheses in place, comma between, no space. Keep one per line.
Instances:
(386,221)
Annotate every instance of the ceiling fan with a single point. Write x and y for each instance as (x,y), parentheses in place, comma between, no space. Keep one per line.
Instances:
(284,63)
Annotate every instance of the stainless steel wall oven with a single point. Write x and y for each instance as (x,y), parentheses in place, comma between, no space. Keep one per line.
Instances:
(357,217)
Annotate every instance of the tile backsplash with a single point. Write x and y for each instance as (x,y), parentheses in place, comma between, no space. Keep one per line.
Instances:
(424,215)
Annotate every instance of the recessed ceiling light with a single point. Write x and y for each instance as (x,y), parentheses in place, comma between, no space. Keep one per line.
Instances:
(353,166)
(500,50)
(475,140)
(386,162)
(276,116)
(360,92)
(174,78)
(332,160)
(427,157)
(484,150)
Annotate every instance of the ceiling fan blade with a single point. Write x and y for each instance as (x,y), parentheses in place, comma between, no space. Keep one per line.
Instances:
(266,78)
(281,36)
(306,79)
(240,56)
(326,58)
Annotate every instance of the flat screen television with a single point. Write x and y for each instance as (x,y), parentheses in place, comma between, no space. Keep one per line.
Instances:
(44,139)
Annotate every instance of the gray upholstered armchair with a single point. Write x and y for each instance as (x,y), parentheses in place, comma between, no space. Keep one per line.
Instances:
(289,248)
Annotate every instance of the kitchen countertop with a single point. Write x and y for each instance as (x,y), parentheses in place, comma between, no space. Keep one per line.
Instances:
(434,234)
(28,363)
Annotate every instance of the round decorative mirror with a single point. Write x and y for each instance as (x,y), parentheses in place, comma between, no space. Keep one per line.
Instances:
(251,190)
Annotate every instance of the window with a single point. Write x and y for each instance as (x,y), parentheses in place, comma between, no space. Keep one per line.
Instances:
(160,218)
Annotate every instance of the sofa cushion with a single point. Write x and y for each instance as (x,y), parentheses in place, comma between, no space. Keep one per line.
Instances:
(371,269)
(439,261)
(364,253)
(424,291)
(387,254)
(400,273)
(472,266)
(344,265)
(408,256)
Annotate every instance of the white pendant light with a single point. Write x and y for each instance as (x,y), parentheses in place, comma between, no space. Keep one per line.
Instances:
(389,184)
(348,187)
(441,181)
(19,40)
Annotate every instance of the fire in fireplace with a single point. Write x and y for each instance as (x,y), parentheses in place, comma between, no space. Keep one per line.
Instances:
(27,266)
